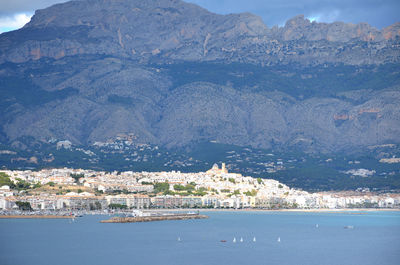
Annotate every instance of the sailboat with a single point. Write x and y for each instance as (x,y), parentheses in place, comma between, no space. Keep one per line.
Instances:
(179,239)
(241,239)
(254,239)
(279,239)
(316,226)
(234,240)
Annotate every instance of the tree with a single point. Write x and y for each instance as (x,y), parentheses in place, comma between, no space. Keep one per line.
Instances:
(5,180)
(179,187)
(147,183)
(168,192)
(161,187)
(24,206)
(200,193)
(117,206)
(22,184)
(251,193)
(76,177)
(190,187)
(97,205)
(259,180)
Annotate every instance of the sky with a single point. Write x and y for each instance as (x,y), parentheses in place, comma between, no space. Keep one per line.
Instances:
(379,13)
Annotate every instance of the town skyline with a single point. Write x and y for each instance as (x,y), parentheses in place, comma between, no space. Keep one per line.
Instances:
(79,189)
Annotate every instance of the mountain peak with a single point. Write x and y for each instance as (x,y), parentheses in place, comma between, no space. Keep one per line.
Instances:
(173,30)
(300,27)
(297,21)
(95,12)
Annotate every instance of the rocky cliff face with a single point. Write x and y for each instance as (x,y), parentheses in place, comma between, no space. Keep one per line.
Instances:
(169,30)
(172,73)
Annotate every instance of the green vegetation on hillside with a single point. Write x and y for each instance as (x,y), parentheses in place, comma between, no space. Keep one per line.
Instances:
(5,180)
(161,187)
(251,193)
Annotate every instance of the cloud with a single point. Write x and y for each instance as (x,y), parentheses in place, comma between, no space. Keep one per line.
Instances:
(9,7)
(14,22)
(329,16)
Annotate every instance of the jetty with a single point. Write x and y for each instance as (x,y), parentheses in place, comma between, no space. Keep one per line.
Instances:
(151,218)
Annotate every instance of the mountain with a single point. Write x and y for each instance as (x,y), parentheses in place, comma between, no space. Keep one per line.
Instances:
(167,31)
(173,74)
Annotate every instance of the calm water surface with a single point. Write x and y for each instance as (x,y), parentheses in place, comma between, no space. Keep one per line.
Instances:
(375,240)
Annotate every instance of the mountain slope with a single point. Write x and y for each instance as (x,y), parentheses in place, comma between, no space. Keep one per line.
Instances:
(173,74)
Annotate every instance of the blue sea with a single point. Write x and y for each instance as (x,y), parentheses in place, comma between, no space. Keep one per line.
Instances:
(374,240)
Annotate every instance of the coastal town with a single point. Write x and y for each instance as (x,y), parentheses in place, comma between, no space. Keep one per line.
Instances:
(68,189)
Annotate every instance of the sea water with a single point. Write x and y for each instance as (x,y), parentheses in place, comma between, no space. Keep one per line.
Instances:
(305,239)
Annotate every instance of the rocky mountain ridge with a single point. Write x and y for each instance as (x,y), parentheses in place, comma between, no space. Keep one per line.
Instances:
(165,31)
(173,74)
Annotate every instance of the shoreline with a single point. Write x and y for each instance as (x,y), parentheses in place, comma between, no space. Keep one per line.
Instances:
(36,217)
(280,210)
(248,210)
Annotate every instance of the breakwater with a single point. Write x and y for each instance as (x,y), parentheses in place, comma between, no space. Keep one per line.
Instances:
(154,218)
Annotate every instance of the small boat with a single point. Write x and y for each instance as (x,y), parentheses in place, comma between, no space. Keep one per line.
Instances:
(254,239)
(223,240)
(179,239)
(241,239)
(234,240)
(279,239)
(348,227)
